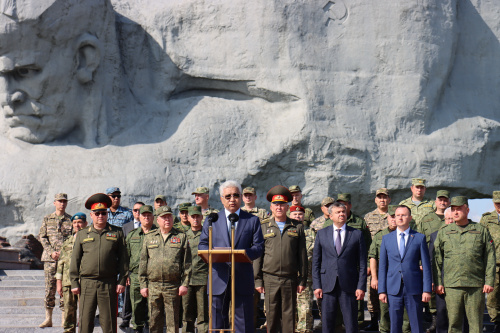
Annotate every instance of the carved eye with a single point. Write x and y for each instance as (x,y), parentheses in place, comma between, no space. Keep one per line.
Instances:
(25,72)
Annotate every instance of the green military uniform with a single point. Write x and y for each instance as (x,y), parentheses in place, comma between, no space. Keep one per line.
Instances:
(99,256)
(165,266)
(281,268)
(308,217)
(492,222)
(195,303)
(429,224)
(182,227)
(208,211)
(134,241)
(261,213)
(423,208)
(305,320)
(467,257)
(70,300)
(319,223)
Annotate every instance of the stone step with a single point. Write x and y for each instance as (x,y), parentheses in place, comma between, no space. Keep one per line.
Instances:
(22,278)
(17,272)
(22,323)
(37,310)
(14,264)
(12,302)
(28,292)
(22,283)
(9,254)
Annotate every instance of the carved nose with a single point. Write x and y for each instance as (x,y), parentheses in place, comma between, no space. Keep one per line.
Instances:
(17,97)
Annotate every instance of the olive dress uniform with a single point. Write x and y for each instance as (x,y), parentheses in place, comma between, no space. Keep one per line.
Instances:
(282,267)
(491,221)
(70,300)
(99,257)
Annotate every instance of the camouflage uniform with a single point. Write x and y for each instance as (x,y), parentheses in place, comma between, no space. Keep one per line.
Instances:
(165,266)
(492,222)
(425,207)
(208,211)
(308,217)
(195,302)
(261,213)
(182,227)
(319,223)
(70,300)
(305,320)
(54,230)
(467,257)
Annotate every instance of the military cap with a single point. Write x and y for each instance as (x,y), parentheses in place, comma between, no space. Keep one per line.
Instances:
(98,201)
(459,201)
(294,188)
(496,196)
(111,190)
(61,196)
(418,181)
(297,209)
(146,209)
(163,210)
(327,201)
(391,210)
(160,196)
(201,190)
(79,216)
(346,197)
(194,210)
(279,194)
(250,190)
(382,190)
(443,193)
(184,206)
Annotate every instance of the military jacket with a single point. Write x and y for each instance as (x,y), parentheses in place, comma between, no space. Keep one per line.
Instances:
(54,230)
(284,253)
(425,207)
(99,255)
(120,217)
(308,217)
(199,268)
(167,261)
(465,255)
(209,211)
(374,251)
(356,222)
(491,222)
(181,227)
(62,272)
(429,224)
(318,223)
(310,239)
(134,242)
(261,213)
(375,221)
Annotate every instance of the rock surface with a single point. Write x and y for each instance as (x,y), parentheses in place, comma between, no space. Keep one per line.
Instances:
(336,96)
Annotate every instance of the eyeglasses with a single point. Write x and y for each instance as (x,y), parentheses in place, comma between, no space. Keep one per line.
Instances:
(229,196)
(136,210)
(115,196)
(100,213)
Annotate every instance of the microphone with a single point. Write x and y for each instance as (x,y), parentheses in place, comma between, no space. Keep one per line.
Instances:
(233,218)
(212,217)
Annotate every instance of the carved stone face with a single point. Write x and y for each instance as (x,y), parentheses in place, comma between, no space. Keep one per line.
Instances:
(38,96)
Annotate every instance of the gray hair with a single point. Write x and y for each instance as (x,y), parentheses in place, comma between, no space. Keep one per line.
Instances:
(447,210)
(336,204)
(228,184)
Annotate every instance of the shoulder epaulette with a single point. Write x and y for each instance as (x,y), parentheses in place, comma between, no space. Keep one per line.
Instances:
(265,220)
(487,213)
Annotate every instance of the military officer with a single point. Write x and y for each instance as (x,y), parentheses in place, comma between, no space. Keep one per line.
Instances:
(78,221)
(319,223)
(249,198)
(99,267)
(195,302)
(134,241)
(491,221)
(56,227)
(183,225)
(160,200)
(117,214)
(419,205)
(297,201)
(281,272)
(464,252)
(164,272)
(201,196)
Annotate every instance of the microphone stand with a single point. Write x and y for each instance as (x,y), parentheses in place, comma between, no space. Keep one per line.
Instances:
(233,218)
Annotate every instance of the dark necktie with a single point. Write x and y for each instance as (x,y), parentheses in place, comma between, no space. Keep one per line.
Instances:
(338,242)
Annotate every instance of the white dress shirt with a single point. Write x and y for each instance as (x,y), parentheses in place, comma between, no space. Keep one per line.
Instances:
(342,235)
(407,235)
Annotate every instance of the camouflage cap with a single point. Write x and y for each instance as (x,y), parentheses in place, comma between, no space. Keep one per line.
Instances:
(297,209)
(250,190)
(161,197)
(279,194)
(201,190)
(443,193)
(98,201)
(459,201)
(61,196)
(184,206)
(111,190)
(146,209)
(382,190)
(163,210)
(294,188)
(418,181)
(496,196)
(392,209)
(327,201)
(345,197)
(194,210)
(79,216)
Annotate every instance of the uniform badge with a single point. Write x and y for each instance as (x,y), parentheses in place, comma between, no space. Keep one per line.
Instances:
(175,240)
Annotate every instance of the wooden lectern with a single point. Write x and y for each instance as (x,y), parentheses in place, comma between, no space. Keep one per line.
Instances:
(228,254)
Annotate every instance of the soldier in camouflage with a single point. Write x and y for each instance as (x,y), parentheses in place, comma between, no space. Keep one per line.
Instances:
(183,225)
(134,241)
(464,267)
(195,303)
(201,196)
(78,221)
(491,221)
(249,198)
(56,227)
(164,272)
(419,205)
(297,201)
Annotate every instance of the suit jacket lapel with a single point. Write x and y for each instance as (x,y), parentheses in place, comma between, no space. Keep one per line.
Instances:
(222,222)
(239,229)
(410,239)
(348,234)
(329,234)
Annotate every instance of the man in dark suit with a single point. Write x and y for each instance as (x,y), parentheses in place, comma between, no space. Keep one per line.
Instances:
(248,236)
(401,281)
(339,270)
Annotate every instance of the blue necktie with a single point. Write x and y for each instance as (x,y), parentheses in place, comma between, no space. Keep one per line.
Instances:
(338,242)
(402,245)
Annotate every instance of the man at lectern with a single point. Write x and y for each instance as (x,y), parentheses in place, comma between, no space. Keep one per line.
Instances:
(248,236)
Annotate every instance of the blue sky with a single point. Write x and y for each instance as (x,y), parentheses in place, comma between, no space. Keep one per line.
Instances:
(478,207)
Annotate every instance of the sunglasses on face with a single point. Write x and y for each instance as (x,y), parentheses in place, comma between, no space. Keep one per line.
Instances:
(100,213)
(115,196)
(229,196)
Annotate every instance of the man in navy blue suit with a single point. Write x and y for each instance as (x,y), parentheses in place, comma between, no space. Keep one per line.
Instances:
(339,270)
(401,281)
(248,236)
